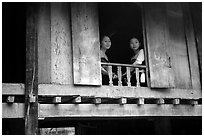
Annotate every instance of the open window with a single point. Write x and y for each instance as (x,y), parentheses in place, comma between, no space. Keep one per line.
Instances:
(121,22)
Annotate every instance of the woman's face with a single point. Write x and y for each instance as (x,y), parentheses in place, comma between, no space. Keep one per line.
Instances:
(106,43)
(134,44)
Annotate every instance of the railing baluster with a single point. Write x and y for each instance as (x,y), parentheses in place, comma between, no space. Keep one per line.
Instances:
(137,77)
(128,76)
(110,73)
(142,77)
(119,76)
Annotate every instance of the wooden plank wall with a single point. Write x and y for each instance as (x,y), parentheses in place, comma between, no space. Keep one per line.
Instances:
(161,74)
(177,46)
(61,50)
(44,48)
(85,36)
(196,12)
(192,49)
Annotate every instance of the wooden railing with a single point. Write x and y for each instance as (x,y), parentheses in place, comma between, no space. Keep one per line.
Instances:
(125,73)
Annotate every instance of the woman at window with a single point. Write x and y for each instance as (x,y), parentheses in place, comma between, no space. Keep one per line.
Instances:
(135,45)
(137,59)
(105,44)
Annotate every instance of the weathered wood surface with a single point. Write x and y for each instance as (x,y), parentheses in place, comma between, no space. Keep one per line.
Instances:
(15,110)
(31,84)
(177,45)
(115,91)
(161,73)
(61,50)
(44,45)
(117,110)
(13,89)
(192,49)
(104,91)
(85,40)
(196,12)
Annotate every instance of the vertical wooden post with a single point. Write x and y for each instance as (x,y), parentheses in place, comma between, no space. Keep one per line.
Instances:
(119,76)
(31,85)
(128,76)
(110,74)
(137,77)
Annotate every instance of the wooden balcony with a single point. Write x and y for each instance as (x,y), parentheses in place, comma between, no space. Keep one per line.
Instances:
(55,100)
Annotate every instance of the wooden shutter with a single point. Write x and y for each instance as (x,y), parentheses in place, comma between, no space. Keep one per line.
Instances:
(85,40)
(161,74)
(178,45)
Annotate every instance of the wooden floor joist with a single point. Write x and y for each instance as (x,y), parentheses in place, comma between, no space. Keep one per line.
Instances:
(10,99)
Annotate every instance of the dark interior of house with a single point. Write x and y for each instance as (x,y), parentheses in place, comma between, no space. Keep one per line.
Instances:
(13,42)
(121,22)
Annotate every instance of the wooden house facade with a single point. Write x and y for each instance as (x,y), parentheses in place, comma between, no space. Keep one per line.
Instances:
(62,67)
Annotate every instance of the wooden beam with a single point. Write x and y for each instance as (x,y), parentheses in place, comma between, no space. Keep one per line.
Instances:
(97,100)
(57,100)
(115,91)
(140,101)
(31,85)
(194,102)
(15,110)
(13,89)
(117,110)
(122,100)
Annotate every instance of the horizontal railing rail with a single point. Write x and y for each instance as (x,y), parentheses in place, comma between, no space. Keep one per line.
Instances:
(123,65)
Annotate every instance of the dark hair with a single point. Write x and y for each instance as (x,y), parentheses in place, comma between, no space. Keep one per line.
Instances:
(101,38)
(141,46)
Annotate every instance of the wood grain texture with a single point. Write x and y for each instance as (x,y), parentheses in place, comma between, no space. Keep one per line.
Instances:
(61,51)
(44,44)
(196,12)
(85,40)
(177,45)
(115,91)
(161,73)
(117,110)
(31,84)
(15,110)
(13,89)
(192,49)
